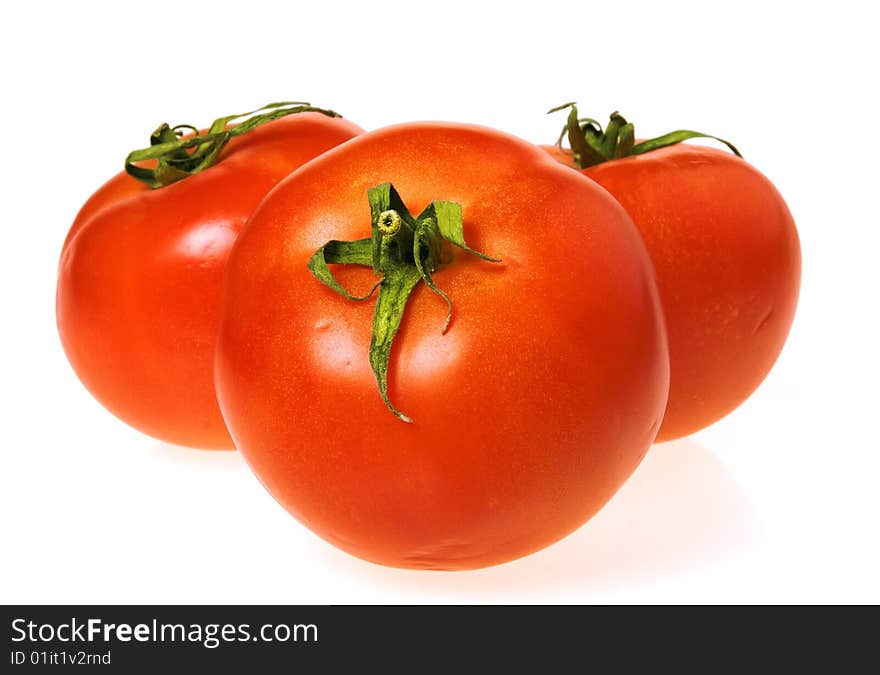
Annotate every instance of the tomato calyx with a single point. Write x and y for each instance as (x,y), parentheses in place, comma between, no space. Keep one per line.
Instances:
(591,145)
(404,250)
(177,157)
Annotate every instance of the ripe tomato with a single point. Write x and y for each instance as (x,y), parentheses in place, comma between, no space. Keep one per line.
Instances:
(728,264)
(139,283)
(528,413)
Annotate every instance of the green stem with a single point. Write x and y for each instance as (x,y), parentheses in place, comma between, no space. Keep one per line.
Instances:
(404,250)
(176,157)
(591,145)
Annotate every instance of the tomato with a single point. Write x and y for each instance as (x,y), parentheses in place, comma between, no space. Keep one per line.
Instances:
(139,284)
(529,412)
(727,256)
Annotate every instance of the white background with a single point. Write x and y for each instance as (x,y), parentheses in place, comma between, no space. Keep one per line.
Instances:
(776,503)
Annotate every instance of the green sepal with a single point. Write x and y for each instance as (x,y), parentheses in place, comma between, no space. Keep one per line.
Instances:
(394,291)
(343,253)
(586,146)
(404,250)
(626,139)
(174,159)
(612,133)
(450,224)
(591,145)
(426,254)
(674,137)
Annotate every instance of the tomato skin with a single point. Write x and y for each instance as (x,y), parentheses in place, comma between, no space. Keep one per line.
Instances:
(140,279)
(529,412)
(728,263)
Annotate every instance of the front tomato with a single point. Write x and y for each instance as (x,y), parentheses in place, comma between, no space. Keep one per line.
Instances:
(527,414)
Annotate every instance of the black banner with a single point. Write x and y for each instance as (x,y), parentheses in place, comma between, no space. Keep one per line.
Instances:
(408,638)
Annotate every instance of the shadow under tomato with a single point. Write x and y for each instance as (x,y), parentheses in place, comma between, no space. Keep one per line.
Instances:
(195,457)
(680,511)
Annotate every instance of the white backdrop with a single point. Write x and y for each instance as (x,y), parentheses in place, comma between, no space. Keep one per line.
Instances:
(776,503)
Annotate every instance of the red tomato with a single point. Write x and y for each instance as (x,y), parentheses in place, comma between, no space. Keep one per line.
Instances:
(139,284)
(528,414)
(728,264)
